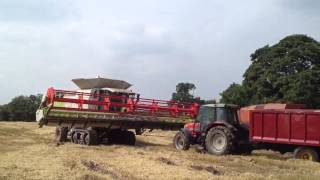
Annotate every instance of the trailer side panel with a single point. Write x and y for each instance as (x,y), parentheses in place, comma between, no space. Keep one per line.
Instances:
(294,127)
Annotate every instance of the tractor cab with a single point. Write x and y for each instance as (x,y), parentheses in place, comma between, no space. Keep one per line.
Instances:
(213,114)
(216,129)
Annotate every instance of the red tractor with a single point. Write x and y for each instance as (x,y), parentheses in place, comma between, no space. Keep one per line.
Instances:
(217,130)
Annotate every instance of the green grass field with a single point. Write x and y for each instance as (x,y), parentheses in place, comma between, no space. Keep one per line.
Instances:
(29,152)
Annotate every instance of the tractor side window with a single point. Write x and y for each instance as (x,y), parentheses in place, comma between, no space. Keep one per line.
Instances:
(232,116)
(226,114)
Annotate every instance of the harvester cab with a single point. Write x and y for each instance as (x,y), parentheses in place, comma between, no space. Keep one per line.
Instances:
(103,87)
(216,129)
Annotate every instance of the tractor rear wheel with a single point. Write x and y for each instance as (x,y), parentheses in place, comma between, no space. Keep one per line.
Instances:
(220,140)
(91,138)
(61,134)
(181,141)
(306,153)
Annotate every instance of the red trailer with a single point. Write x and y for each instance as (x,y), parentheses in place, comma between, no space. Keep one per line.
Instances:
(287,130)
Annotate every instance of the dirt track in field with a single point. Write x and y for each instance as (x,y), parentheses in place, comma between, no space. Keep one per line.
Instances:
(29,152)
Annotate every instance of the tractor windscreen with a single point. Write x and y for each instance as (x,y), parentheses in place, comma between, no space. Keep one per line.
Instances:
(208,114)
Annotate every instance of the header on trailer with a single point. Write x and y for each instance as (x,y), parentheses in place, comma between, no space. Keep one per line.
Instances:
(102,101)
(99,82)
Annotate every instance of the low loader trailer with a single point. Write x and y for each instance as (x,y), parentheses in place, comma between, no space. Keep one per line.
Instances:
(100,116)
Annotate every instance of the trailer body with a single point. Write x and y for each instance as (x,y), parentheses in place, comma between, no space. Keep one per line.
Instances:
(287,130)
(244,112)
(300,127)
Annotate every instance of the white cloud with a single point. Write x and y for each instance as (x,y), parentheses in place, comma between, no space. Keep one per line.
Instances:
(152,44)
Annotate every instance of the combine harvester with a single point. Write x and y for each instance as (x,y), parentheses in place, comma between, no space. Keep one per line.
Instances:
(104,109)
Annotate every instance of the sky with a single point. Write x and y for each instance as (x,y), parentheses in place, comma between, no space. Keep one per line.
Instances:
(153,44)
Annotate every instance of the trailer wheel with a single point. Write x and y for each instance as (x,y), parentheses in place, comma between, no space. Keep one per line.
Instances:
(114,136)
(75,138)
(140,131)
(129,138)
(72,137)
(61,134)
(91,138)
(306,154)
(181,141)
(220,141)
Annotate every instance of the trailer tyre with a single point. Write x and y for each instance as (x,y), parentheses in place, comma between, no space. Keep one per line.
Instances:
(130,138)
(139,131)
(74,138)
(181,141)
(61,134)
(220,140)
(306,154)
(91,138)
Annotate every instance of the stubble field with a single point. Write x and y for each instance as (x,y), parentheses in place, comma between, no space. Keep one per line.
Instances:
(29,152)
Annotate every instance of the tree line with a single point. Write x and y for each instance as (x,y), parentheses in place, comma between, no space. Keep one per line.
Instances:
(21,108)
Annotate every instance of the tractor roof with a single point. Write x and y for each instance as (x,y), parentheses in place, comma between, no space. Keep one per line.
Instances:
(101,83)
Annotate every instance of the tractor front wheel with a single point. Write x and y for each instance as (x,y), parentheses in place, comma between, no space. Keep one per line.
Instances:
(306,153)
(181,142)
(220,140)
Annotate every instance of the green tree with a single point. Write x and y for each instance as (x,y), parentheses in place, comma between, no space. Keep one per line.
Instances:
(183,93)
(21,108)
(288,71)
(234,94)
(4,113)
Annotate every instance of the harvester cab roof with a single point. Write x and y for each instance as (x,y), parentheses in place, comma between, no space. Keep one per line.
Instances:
(103,86)
(99,83)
